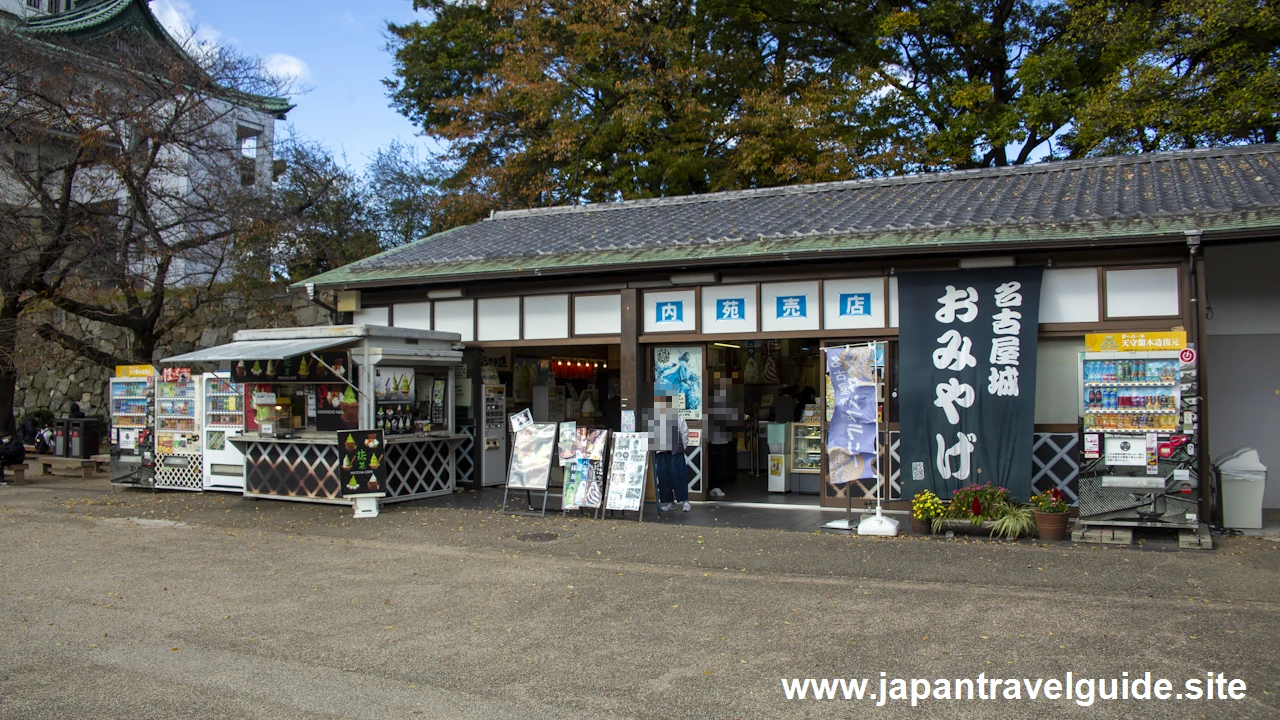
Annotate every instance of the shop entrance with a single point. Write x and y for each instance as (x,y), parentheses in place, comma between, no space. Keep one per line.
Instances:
(763,437)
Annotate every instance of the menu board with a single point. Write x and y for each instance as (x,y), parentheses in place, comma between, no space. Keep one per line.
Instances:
(364,468)
(531,457)
(300,369)
(627,471)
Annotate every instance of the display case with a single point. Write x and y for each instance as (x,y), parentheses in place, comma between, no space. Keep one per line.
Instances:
(806,448)
(1130,392)
(130,400)
(223,420)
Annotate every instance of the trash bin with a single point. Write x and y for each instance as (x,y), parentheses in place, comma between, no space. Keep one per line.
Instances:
(61,435)
(85,438)
(1244,479)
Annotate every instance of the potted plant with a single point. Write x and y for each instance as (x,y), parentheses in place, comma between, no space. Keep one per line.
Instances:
(1013,520)
(972,508)
(925,506)
(1050,509)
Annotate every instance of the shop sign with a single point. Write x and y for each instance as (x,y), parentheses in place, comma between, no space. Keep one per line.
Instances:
(966,397)
(792,306)
(1125,451)
(175,374)
(1135,341)
(671,311)
(135,371)
(363,470)
(731,309)
(855,304)
(300,369)
(521,420)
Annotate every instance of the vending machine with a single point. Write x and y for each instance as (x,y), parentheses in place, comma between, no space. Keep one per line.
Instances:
(132,393)
(1138,448)
(179,463)
(223,420)
(493,458)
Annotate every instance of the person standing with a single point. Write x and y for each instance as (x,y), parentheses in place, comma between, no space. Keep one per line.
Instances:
(76,412)
(721,418)
(670,438)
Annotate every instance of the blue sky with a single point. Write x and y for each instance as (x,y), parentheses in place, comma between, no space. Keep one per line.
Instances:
(334,48)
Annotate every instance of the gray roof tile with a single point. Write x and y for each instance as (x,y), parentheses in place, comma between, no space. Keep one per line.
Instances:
(1129,188)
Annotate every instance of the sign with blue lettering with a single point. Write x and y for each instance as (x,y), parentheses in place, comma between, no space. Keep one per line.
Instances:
(855,304)
(731,309)
(671,311)
(792,306)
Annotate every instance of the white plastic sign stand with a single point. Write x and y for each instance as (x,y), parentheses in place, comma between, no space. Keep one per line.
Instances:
(366,505)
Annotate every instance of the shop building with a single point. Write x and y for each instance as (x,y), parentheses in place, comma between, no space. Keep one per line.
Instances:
(665,295)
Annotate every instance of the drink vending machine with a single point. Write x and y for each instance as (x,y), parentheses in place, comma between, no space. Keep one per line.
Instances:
(132,393)
(493,458)
(179,464)
(223,419)
(1138,439)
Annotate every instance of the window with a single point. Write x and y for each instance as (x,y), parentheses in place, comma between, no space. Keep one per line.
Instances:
(33,4)
(23,161)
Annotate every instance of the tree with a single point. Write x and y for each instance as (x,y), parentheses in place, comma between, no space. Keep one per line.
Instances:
(320,218)
(589,100)
(1189,73)
(125,183)
(409,196)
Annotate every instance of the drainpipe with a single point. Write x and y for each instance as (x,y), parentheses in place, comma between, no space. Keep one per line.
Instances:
(1197,333)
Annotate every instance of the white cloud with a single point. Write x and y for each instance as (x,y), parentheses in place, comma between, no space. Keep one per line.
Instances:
(286,66)
(177,16)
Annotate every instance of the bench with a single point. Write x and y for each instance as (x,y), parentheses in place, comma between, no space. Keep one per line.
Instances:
(47,463)
(102,462)
(15,473)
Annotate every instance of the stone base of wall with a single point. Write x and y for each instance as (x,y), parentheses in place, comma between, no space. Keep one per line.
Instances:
(52,378)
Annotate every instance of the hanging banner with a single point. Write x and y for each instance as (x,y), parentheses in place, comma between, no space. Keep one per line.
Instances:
(967,362)
(298,369)
(852,441)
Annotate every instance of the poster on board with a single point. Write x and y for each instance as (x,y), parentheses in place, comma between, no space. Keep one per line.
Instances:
(627,471)
(531,454)
(677,373)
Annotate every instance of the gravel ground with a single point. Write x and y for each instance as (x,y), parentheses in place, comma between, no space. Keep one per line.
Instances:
(132,605)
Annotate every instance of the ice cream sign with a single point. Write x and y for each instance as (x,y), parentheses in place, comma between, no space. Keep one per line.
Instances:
(364,462)
(308,368)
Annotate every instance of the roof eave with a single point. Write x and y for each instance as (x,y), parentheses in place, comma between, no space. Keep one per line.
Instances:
(1053,237)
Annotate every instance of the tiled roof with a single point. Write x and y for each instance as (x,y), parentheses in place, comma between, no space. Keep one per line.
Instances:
(102,17)
(1111,199)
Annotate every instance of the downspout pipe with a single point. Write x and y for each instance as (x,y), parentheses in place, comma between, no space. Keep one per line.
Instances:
(1204,469)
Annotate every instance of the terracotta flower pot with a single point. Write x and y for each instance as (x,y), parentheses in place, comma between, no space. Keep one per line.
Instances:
(1052,527)
(921,527)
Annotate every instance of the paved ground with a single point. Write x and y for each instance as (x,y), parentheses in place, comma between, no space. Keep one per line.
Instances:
(132,605)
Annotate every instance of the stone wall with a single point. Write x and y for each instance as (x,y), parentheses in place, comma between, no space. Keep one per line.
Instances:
(52,378)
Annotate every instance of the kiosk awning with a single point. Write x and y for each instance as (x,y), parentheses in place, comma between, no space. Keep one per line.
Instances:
(259,350)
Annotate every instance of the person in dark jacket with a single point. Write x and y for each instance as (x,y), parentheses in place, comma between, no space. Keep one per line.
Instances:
(76,412)
(29,431)
(11,453)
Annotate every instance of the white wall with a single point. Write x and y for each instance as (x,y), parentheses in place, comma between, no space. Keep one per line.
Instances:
(1241,357)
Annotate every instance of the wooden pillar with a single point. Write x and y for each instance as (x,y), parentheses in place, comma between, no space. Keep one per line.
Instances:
(630,365)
